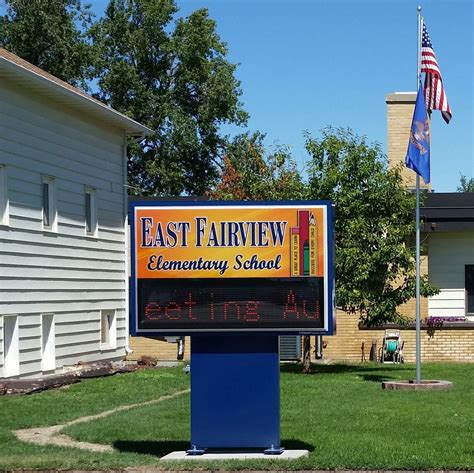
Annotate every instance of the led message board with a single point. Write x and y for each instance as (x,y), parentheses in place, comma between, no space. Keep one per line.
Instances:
(210,267)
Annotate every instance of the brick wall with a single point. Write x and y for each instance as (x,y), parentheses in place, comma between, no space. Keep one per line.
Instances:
(443,344)
(346,343)
(158,349)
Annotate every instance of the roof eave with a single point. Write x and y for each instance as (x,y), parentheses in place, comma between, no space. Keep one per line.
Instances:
(129,126)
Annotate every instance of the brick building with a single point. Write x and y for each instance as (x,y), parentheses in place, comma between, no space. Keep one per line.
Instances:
(448,233)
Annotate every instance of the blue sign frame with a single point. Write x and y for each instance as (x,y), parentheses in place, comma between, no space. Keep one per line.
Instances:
(329,292)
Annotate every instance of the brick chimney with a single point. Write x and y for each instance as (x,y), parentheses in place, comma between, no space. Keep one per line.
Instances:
(400,106)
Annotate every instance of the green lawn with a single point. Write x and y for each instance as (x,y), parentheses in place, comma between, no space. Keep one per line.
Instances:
(339,413)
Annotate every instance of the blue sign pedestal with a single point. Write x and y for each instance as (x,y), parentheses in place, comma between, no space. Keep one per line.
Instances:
(235,393)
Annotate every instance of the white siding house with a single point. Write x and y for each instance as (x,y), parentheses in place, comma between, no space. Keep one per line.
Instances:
(449,254)
(63,207)
(449,230)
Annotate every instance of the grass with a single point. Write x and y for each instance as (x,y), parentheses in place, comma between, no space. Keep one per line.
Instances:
(339,413)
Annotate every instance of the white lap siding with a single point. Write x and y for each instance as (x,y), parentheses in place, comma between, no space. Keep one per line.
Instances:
(64,273)
(448,255)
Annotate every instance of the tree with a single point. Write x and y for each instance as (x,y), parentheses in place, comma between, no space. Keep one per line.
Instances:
(178,82)
(51,34)
(375,220)
(252,174)
(374,215)
(465,184)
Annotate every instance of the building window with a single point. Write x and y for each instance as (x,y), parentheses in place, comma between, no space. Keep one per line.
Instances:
(50,214)
(48,343)
(4,219)
(108,329)
(11,346)
(469,285)
(91,211)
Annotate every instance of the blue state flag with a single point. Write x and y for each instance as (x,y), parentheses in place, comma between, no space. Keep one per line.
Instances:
(418,153)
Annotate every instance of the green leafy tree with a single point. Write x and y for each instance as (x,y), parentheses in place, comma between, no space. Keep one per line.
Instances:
(51,34)
(178,82)
(250,173)
(375,218)
(374,215)
(465,184)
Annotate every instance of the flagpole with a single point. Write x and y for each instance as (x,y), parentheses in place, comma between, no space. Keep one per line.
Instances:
(418,324)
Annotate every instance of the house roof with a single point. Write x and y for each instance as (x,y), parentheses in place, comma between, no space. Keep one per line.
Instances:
(27,75)
(448,212)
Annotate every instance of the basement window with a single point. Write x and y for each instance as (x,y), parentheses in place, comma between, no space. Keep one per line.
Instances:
(108,329)
(11,346)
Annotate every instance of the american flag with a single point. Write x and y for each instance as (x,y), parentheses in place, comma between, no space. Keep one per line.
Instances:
(435,97)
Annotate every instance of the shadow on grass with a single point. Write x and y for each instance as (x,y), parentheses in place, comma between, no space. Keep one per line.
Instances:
(361,369)
(376,378)
(149,447)
(162,448)
(292,444)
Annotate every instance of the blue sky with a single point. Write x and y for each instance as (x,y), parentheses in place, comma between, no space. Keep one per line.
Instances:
(305,64)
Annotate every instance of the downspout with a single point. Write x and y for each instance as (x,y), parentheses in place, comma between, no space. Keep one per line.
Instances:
(126,229)
(137,137)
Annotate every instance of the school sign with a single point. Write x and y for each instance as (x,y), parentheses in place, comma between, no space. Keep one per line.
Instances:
(210,267)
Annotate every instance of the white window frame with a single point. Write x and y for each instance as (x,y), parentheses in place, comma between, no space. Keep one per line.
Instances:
(13,360)
(48,343)
(52,204)
(4,202)
(108,329)
(90,191)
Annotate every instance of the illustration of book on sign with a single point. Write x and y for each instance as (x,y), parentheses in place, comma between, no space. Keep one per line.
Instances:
(313,246)
(304,245)
(295,251)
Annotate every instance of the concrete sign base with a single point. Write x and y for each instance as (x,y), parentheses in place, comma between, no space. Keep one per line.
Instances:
(286,455)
